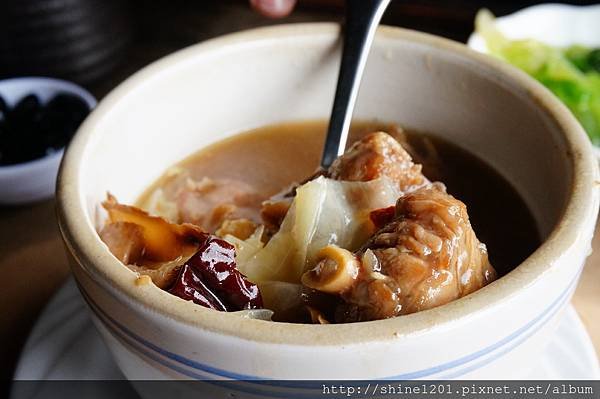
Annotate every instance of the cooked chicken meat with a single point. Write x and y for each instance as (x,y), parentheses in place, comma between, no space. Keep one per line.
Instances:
(425,253)
(273,211)
(135,237)
(374,156)
(148,244)
(208,203)
(378,154)
(428,255)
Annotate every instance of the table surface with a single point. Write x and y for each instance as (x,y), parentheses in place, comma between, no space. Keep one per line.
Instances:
(32,258)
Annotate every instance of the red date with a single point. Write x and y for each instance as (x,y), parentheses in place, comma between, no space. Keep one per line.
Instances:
(210,278)
(189,286)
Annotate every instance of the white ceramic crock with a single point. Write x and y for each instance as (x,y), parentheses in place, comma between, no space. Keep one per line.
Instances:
(213,90)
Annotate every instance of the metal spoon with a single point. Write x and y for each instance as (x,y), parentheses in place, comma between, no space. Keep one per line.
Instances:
(362,18)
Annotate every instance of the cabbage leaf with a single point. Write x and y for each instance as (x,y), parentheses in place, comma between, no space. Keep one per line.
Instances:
(572,74)
(324,212)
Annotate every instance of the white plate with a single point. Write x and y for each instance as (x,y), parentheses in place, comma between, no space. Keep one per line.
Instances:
(555,24)
(65,345)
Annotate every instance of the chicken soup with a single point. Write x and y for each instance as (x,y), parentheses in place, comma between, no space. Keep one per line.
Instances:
(400,223)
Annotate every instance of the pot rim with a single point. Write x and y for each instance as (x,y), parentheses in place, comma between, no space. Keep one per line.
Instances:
(91,254)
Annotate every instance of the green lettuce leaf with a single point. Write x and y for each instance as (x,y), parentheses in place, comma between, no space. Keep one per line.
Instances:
(572,73)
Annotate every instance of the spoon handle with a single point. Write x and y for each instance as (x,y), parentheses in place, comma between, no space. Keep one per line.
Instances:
(362,18)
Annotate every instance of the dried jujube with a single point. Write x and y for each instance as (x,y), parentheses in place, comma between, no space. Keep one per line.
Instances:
(189,286)
(210,278)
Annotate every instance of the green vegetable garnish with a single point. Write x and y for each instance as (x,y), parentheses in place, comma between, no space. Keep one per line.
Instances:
(572,74)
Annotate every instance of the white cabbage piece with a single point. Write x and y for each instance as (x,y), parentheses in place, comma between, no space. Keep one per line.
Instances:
(159,205)
(281,297)
(324,212)
(246,249)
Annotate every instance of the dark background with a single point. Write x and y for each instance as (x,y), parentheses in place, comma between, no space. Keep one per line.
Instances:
(99,43)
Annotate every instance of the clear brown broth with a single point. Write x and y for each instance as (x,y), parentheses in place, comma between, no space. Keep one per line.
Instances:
(271,158)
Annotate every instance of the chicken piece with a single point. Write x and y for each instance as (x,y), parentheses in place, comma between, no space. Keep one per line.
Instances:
(378,154)
(428,255)
(273,212)
(208,203)
(239,228)
(136,238)
(125,241)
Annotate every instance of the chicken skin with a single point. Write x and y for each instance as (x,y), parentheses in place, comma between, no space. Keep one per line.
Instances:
(424,255)
(377,155)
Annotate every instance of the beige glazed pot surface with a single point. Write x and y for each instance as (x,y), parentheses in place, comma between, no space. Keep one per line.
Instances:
(213,90)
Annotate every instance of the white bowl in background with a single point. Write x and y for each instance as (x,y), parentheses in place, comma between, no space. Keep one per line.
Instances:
(215,89)
(36,179)
(560,25)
